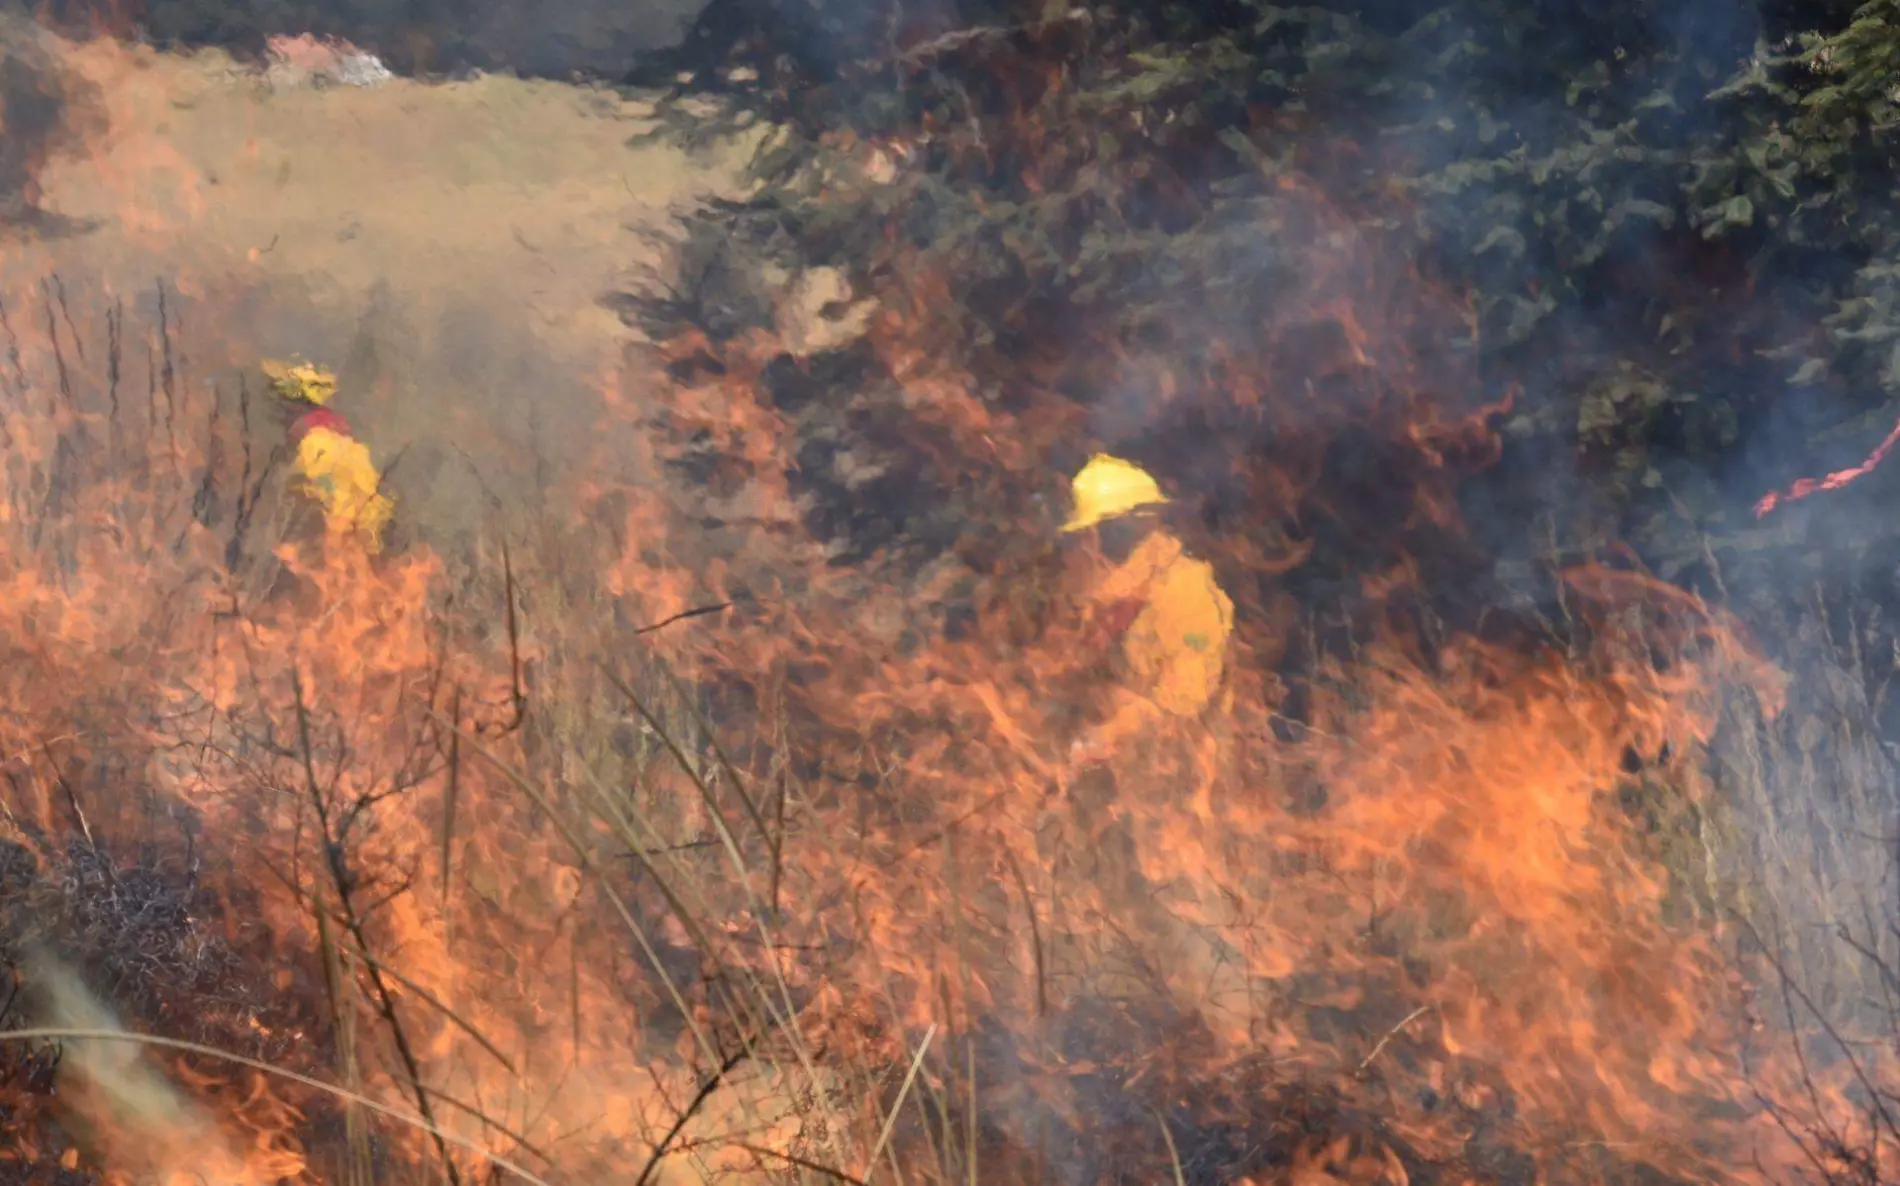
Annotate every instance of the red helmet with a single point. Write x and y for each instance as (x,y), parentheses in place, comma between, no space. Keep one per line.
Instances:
(318,418)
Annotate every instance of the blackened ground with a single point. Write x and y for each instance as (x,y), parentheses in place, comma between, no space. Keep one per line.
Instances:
(160,949)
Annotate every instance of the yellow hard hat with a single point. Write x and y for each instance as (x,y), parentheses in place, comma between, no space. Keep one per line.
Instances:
(301,381)
(1108,488)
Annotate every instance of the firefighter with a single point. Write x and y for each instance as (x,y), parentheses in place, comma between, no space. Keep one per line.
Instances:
(330,465)
(1171,615)
(1146,774)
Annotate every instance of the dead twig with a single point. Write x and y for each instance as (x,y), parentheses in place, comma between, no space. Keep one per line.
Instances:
(1174,1151)
(1390,1034)
(59,354)
(343,884)
(707,1086)
(59,294)
(696,612)
(475,1113)
(358,1166)
(1879,1117)
(18,366)
(793,1159)
(72,800)
(454,1018)
(518,693)
(168,372)
(686,765)
(1035,933)
(451,794)
(897,1105)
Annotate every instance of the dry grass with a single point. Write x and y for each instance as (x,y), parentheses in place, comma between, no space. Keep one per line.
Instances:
(330,793)
(544,718)
(1810,865)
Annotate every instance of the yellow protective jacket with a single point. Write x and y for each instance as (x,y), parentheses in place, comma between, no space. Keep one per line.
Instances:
(1176,646)
(335,469)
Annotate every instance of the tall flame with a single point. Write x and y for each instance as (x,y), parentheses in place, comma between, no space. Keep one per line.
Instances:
(877,863)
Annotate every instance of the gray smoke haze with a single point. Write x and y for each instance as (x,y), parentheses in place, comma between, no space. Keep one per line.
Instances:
(44,108)
(119,1106)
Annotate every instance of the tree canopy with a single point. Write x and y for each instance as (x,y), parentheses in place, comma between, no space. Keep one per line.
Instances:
(1672,226)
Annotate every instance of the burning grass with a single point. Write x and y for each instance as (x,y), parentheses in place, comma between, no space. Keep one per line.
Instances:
(878,870)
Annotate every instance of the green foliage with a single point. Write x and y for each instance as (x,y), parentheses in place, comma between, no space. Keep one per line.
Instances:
(1680,239)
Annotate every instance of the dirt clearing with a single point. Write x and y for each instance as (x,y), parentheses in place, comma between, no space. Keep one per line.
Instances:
(444,245)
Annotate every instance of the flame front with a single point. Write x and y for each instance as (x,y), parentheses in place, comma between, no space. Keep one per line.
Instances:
(906,859)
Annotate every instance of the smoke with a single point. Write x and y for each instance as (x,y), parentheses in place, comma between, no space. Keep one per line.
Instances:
(121,1110)
(44,109)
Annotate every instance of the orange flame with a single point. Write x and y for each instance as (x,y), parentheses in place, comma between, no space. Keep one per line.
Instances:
(838,844)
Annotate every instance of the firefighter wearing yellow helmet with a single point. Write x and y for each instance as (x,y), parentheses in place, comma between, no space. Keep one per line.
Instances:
(1173,621)
(1173,616)
(331,466)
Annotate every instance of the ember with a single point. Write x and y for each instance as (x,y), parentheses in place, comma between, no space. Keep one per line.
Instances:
(1834,481)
